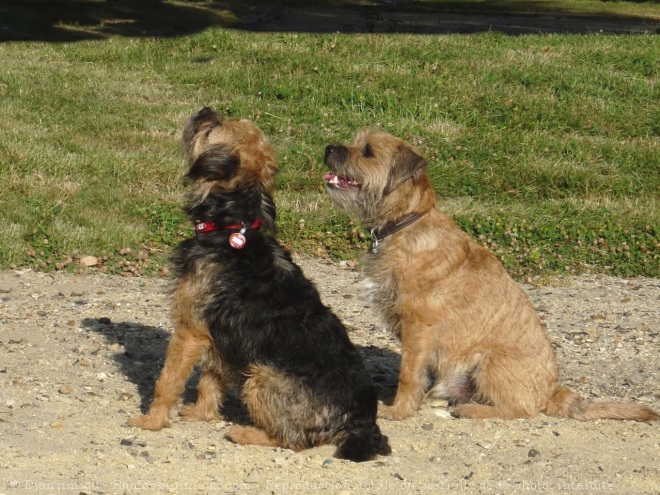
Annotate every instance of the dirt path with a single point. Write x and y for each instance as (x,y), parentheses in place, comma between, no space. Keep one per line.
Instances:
(79,354)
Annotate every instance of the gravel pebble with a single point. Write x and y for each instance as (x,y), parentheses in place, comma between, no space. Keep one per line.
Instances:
(253,477)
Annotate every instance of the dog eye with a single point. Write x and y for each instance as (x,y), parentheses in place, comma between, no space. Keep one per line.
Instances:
(367,152)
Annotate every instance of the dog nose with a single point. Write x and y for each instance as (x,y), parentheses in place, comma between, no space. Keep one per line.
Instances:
(329,150)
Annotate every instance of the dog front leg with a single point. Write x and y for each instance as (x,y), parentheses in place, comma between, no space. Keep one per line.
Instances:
(412,376)
(182,353)
(209,398)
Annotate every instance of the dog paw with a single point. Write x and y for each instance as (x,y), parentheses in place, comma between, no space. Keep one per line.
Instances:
(393,412)
(192,412)
(149,422)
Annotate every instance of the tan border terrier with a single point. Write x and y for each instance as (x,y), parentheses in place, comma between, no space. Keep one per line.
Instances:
(456,311)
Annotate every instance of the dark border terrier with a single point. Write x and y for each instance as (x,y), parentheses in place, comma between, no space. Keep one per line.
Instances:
(455,309)
(258,325)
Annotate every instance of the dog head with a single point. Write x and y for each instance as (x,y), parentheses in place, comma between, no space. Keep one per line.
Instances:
(378,177)
(231,170)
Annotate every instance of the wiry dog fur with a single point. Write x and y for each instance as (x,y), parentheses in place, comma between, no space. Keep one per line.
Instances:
(449,300)
(257,323)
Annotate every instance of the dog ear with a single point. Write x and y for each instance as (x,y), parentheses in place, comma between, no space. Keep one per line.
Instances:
(205,117)
(268,212)
(407,162)
(207,113)
(214,164)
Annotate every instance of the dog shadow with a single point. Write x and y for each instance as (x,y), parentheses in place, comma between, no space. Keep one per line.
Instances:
(144,348)
(383,366)
(142,359)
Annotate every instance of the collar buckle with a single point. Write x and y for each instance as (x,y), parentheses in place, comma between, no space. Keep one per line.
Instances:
(374,241)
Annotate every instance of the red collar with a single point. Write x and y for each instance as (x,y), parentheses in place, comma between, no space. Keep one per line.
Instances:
(204,227)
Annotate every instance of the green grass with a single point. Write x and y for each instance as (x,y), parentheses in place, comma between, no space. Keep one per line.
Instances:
(544,148)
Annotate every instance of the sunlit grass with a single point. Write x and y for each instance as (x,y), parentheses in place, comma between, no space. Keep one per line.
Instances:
(557,133)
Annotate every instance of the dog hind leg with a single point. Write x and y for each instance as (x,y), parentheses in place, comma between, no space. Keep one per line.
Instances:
(473,410)
(249,435)
(507,388)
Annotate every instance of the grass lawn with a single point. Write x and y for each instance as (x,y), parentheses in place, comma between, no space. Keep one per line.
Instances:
(546,148)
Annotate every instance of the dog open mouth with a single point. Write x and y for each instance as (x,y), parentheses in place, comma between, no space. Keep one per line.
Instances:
(335,181)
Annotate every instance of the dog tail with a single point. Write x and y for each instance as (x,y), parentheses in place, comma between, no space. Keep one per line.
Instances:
(363,444)
(567,404)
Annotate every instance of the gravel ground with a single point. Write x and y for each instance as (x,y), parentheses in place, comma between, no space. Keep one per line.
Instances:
(79,354)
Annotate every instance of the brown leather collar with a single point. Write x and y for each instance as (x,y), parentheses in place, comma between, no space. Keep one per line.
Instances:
(380,233)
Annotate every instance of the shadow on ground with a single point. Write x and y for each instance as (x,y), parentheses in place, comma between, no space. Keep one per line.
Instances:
(74,20)
(145,347)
